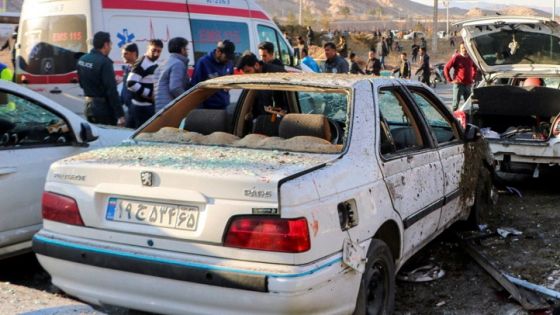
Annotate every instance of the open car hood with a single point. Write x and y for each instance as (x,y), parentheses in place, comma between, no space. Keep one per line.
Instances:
(513,45)
(510,100)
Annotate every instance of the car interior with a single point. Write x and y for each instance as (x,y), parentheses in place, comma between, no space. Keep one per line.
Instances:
(304,120)
(24,123)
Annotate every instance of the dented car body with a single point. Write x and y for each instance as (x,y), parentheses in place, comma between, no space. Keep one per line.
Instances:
(518,103)
(322,204)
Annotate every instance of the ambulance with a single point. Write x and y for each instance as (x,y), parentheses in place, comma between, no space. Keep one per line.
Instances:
(53,34)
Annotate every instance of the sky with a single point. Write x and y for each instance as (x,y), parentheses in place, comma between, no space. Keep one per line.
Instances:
(528,3)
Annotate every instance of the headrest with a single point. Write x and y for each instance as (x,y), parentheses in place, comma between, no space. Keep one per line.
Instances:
(6,125)
(206,121)
(314,125)
(532,81)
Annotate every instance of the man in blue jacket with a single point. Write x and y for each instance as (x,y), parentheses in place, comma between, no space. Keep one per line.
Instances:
(217,63)
(173,79)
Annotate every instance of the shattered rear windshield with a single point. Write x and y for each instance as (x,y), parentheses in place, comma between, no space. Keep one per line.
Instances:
(314,120)
(509,47)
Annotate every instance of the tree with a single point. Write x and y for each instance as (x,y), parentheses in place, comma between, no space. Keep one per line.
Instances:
(344,11)
(291,19)
(325,22)
(308,18)
(378,12)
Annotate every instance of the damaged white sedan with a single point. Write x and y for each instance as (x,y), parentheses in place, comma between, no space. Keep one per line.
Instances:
(307,208)
(517,105)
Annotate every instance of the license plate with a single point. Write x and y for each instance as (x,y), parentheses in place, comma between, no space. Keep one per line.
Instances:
(155,214)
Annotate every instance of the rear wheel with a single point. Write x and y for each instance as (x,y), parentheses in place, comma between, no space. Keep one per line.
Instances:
(377,288)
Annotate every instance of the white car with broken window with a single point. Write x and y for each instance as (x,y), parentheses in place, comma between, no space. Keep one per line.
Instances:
(304,196)
(34,132)
(517,104)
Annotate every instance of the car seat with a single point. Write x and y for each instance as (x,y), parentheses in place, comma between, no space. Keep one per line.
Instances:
(266,125)
(314,125)
(206,121)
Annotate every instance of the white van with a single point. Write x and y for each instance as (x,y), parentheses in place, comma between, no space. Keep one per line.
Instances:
(54,34)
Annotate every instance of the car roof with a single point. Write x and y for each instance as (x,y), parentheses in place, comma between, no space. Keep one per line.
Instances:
(324,80)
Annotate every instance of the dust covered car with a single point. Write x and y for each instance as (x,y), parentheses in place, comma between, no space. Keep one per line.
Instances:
(309,207)
(518,101)
(34,132)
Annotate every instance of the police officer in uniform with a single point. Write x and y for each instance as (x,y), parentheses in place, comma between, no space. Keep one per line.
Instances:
(97,79)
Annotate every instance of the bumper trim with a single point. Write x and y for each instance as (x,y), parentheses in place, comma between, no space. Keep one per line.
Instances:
(142,264)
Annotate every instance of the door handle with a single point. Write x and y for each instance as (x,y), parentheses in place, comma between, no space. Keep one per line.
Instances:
(55,91)
(7,170)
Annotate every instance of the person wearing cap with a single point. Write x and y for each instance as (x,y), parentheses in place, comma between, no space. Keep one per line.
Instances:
(173,79)
(97,79)
(217,63)
(267,102)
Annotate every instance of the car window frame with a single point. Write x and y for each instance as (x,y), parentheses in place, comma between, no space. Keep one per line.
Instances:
(277,48)
(440,107)
(198,53)
(416,116)
(74,140)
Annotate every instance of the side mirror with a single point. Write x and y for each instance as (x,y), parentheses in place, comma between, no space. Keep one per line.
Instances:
(86,133)
(472,133)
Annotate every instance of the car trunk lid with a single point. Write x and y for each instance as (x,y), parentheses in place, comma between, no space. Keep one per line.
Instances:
(187,192)
(513,44)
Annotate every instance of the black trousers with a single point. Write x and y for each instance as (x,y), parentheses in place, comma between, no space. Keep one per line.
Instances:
(97,111)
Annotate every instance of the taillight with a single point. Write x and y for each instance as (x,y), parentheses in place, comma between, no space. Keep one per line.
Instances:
(270,234)
(61,209)
(461,116)
(556,127)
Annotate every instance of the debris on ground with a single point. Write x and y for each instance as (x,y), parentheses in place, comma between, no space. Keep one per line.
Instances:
(506,231)
(429,272)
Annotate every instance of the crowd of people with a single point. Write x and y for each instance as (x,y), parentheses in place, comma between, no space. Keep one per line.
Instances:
(148,86)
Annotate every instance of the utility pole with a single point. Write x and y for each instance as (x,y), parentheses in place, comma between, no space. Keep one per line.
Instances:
(553,10)
(435,27)
(300,12)
(446,4)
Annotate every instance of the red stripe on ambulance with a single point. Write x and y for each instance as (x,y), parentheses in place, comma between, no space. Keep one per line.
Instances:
(181,7)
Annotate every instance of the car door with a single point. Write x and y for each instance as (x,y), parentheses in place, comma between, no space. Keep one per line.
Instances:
(410,165)
(445,132)
(31,138)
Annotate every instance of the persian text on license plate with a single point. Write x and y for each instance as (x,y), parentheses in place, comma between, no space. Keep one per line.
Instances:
(156,214)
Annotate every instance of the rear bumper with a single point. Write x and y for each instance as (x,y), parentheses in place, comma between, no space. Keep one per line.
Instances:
(117,275)
(534,152)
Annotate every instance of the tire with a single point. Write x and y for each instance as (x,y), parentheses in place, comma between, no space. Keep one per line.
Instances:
(377,287)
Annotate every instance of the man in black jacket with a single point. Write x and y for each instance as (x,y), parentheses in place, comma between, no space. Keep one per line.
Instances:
(425,67)
(266,51)
(267,102)
(97,79)
(373,65)
(354,67)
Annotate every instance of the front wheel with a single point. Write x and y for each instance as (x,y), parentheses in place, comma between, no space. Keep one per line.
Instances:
(377,287)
